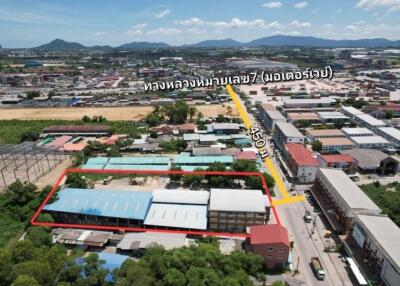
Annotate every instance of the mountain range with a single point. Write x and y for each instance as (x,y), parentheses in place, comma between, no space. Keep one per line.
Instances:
(273,41)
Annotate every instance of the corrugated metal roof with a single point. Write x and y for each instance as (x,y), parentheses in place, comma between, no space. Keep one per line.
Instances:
(202,160)
(137,167)
(140,160)
(237,200)
(176,215)
(97,160)
(351,194)
(145,239)
(181,197)
(107,203)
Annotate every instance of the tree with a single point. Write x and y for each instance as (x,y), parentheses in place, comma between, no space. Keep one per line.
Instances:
(51,94)
(175,177)
(39,236)
(113,151)
(192,112)
(174,278)
(24,280)
(29,136)
(6,264)
(74,180)
(316,146)
(86,119)
(41,271)
(177,113)
(220,118)
(19,193)
(32,94)
(153,119)
(388,114)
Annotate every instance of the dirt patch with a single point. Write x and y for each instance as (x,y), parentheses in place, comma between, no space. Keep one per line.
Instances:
(133,113)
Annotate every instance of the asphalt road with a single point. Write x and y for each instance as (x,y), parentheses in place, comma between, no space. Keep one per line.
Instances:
(307,245)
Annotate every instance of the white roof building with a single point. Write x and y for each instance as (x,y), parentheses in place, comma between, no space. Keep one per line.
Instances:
(238,200)
(347,195)
(177,216)
(390,133)
(361,131)
(370,141)
(181,197)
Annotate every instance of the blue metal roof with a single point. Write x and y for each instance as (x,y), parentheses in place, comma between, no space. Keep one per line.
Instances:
(97,161)
(140,160)
(137,167)
(203,160)
(94,166)
(107,203)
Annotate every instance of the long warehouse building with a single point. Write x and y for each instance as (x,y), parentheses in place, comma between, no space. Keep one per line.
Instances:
(343,196)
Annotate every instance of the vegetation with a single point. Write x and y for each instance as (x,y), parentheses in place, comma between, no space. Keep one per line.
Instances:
(316,146)
(17,205)
(386,197)
(75,180)
(175,145)
(15,131)
(32,94)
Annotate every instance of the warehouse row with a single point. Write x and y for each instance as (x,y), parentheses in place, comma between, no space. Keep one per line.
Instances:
(230,210)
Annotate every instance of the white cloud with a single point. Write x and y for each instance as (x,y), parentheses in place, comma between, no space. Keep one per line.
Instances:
(391,5)
(136,30)
(190,22)
(233,23)
(350,28)
(162,14)
(298,24)
(300,5)
(100,33)
(328,26)
(294,33)
(361,22)
(272,5)
(140,26)
(165,31)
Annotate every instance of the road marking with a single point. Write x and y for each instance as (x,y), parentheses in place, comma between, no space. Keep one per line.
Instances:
(287,199)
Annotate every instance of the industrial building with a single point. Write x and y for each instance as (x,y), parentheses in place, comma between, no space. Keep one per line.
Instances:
(368,121)
(344,162)
(316,134)
(271,241)
(302,164)
(78,130)
(308,102)
(376,240)
(236,209)
(341,198)
(370,142)
(373,161)
(336,144)
(102,207)
(350,111)
(390,133)
(285,133)
(331,117)
(269,117)
(178,209)
(357,131)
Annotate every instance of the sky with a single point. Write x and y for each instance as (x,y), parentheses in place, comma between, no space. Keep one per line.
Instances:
(29,23)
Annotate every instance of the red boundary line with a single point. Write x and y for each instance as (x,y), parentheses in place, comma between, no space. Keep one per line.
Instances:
(142,229)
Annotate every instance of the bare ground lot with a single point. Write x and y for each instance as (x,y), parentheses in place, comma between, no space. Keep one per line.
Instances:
(111,113)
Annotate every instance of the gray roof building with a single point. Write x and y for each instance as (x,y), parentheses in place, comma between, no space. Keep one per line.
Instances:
(347,195)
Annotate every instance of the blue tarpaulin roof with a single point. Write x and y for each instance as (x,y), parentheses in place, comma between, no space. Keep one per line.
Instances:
(107,203)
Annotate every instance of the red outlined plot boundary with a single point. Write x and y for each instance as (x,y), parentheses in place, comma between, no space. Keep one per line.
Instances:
(143,229)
